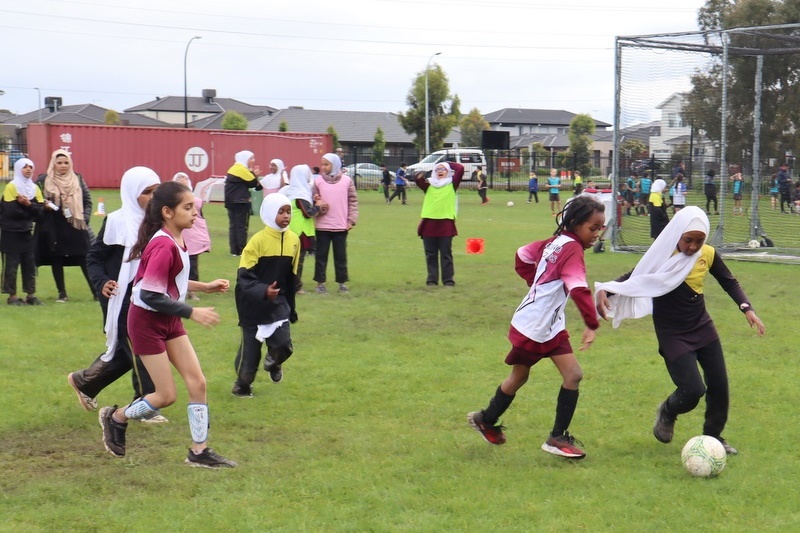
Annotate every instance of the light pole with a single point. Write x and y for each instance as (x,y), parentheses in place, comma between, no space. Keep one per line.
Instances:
(39,103)
(427,111)
(185,84)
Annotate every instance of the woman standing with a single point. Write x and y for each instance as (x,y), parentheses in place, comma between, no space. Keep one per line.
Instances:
(64,235)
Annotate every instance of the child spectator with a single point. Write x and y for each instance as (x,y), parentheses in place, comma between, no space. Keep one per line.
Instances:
(338,192)
(265,295)
(657,208)
(197,239)
(679,197)
(400,184)
(554,182)
(554,270)
(483,185)
(241,177)
(533,188)
(276,179)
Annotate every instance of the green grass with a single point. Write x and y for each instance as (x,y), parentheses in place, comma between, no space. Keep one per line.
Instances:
(368,430)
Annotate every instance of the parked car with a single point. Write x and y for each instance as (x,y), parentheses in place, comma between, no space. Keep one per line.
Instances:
(471,158)
(648,164)
(367,175)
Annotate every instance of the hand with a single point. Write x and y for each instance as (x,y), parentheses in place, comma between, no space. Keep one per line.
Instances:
(256,170)
(603,305)
(755,322)
(587,339)
(23,200)
(218,285)
(273,291)
(205,316)
(109,288)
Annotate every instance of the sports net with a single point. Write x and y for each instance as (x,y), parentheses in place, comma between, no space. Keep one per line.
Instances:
(655,79)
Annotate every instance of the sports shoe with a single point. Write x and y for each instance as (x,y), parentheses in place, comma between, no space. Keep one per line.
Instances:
(62,298)
(208,458)
(33,300)
(730,450)
(16,301)
(564,445)
(242,391)
(87,402)
(491,434)
(321,289)
(276,374)
(665,424)
(113,432)
(154,418)
(343,288)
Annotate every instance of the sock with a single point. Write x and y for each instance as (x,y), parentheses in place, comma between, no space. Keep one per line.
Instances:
(139,409)
(497,406)
(198,422)
(567,402)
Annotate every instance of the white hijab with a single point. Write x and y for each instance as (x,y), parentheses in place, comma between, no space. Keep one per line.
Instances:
(659,271)
(25,186)
(184,175)
(275,180)
(122,229)
(336,163)
(299,184)
(658,186)
(270,207)
(243,157)
(436,182)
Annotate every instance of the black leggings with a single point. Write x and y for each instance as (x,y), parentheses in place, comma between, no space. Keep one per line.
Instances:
(691,386)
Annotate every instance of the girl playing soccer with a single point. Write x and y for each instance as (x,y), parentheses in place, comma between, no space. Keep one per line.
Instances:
(154,323)
(668,282)
(554,270)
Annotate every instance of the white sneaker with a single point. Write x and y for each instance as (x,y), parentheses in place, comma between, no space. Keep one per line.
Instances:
(87,402)
(155,418)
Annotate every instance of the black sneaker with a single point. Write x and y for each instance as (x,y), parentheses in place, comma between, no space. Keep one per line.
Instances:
(665,424)
(33,300)
(15,301)
(113,432)
(730,450)
(242,391)
(208,459)
(276,374)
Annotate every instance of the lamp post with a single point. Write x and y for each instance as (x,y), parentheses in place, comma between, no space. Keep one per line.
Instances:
(185,87)
(427,111)
(39,103)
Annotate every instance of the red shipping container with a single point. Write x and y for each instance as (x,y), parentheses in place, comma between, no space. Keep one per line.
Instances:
(101,154)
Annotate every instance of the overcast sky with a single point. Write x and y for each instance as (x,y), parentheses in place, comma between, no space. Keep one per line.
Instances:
(357,55)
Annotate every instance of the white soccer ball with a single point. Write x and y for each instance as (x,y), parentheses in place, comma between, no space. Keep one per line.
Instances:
(510,204)
(754,244)
(704,456)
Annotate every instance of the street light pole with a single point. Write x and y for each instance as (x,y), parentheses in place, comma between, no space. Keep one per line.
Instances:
(427,111)
(185,84)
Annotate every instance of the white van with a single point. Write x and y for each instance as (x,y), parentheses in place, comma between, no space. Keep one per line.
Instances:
(471,158)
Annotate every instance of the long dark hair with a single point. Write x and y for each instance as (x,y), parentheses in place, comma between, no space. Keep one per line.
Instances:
(576,212)
(167,194)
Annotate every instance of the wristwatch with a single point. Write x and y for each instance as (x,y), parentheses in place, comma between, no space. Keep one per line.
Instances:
(744,308)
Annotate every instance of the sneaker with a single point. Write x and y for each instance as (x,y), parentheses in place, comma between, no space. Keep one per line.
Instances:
(33,300)
(87,402)
(15,301)
(208,458)
(564,445)
(321,289)
(491,434)
(665,424)
(242,391)
(113,432)
(300,291)
(276,374)
(154,418)
(343,288)
(192,296)
(62,298)
(730,450)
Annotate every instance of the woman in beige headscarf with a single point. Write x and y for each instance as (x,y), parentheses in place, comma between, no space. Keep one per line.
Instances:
(64,235)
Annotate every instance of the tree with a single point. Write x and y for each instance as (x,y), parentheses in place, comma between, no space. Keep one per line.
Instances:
(780,105)
(111,118)
(580,133)
(233,120)
(284,126)
(472,126)
(444,109)
(334,136)
(540,155)
(378,147)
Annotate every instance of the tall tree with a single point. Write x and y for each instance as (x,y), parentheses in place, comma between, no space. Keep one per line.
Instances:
(334,137)
(233,120)
(580,133)
(111,118)
(378,147)
(472,126)
(444,109)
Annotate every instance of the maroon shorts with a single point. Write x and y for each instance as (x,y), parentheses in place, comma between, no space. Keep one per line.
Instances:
(149,331)
(528,352)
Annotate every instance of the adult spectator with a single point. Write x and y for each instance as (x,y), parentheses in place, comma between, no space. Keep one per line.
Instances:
(710,190)
(241,177)
(63,235)
(784,187)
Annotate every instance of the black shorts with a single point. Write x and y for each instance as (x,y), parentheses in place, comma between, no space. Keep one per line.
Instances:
(555,197)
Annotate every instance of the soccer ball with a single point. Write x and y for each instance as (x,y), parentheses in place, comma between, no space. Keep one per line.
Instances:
(510,204)
(703,456)
(754,244)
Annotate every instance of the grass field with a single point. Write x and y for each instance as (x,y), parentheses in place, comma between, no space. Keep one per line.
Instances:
(368,432)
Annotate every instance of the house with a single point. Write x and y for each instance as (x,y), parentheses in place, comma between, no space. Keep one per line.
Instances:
(170,109)
(675,133)
(518,121)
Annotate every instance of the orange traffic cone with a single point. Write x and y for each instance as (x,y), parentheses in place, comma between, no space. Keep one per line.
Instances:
(101,208)
(474,246)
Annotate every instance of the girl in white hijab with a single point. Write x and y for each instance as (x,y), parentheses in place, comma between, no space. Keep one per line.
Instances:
(657,208)
(668,282)
(276,179)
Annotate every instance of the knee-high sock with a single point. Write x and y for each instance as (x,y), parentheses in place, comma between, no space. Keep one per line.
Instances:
(139,409)
(497,406)
(198,422)
(567,402)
